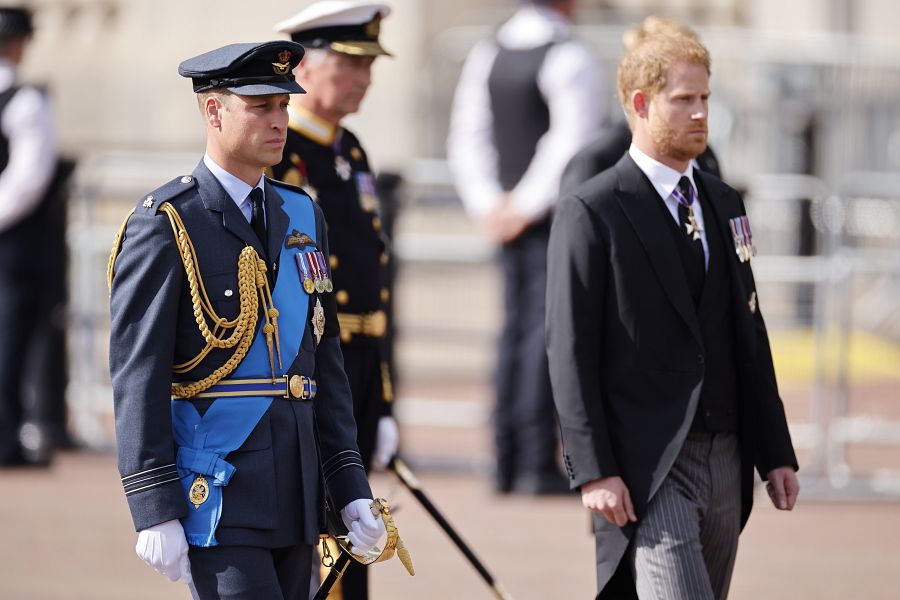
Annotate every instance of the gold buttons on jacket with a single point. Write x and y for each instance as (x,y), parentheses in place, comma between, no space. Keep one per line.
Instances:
(342,297)
(333,262)
(385,295)
(376,224)
(383,260)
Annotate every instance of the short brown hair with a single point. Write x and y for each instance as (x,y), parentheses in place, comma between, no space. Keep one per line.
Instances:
(654,25)
(644,67)
(219,93)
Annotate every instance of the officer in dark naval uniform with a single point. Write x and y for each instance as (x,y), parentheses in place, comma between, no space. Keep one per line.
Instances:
(233,414)
(328,161)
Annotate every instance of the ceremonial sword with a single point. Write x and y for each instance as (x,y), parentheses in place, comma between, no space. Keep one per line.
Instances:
(380,508)
(412,484)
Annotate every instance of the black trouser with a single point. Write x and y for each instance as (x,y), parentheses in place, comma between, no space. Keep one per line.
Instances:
(18,291)
(525,422)
(250,573)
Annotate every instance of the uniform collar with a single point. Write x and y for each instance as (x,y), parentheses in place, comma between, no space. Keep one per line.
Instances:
(315,128)
(236,189)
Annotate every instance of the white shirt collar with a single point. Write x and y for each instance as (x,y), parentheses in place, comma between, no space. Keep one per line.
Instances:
(533,26)
(663,178)
(238,190)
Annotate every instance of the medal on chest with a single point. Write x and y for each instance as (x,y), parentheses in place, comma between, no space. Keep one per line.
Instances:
(365,185)
(305,272)
(342,167)
(318,320)
(742,236)
(692,226)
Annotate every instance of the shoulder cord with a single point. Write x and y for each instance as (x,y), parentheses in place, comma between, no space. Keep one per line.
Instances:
(251,273)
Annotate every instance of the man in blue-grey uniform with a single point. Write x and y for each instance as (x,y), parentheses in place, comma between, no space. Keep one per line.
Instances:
(233,414)
(27,163)
(526,101)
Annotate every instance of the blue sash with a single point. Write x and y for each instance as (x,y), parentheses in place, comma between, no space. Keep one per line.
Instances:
(204,442)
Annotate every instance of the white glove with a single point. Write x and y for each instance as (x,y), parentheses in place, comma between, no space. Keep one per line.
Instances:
(387,440)
(364,529)
(165,548)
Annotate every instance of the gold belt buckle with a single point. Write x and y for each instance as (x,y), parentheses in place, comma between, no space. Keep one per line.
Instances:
(296,385)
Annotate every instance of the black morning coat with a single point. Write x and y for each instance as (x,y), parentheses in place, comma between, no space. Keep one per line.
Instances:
(625,349)
(276,496)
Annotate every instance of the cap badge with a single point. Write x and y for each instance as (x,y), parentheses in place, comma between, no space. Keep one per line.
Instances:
(284,66)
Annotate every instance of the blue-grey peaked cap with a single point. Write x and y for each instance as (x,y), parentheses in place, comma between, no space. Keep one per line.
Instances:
(246,69)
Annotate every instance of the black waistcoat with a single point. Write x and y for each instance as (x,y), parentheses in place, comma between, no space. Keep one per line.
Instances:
(520,114)
(717,409)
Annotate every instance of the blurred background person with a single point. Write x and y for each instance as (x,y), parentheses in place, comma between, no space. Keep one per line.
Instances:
(328,161)
(613,142)
(27,164)
(526,100)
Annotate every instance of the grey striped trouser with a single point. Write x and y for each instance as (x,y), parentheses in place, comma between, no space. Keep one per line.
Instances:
(684,548)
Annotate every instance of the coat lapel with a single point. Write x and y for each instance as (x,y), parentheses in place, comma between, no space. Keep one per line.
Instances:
(215,198)
(716,198)
(636,195)
(277,220)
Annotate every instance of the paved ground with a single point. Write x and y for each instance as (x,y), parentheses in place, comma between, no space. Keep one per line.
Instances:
(65,535)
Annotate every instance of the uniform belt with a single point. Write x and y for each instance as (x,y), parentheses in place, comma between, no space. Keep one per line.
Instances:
(373,324)
(298,387)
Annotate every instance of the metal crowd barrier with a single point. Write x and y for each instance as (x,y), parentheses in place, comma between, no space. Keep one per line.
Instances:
(851,280)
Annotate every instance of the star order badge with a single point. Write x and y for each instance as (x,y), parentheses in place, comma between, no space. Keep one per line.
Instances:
(693,227)
(199,491)
(318,320)
(342,167)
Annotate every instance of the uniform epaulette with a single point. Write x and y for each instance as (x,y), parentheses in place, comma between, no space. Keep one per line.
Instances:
(150,203)
(287,186)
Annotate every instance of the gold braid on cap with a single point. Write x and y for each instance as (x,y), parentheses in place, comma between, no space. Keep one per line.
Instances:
(251,274)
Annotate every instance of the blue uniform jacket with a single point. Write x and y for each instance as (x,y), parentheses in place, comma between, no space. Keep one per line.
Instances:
(298,450)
